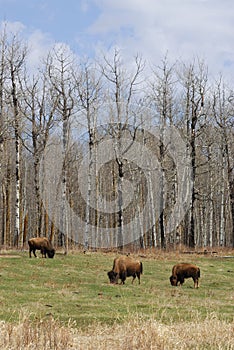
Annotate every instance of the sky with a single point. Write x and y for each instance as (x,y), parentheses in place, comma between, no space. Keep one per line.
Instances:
(181,29)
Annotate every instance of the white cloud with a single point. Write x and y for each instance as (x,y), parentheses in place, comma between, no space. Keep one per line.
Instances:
(184,28)
(84,6)
(39,44)
(12,27)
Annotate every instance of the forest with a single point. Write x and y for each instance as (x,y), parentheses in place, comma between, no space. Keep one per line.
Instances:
(108,152)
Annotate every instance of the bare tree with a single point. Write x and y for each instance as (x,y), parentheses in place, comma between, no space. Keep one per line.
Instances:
(4,165)
(88,87)
(60,75)
(15,58)
(194,82)
(162,100)
(39,108)
(122,87)
(223,110)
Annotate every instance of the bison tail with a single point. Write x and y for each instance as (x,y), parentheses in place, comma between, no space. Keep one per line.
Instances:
(141,270)
(198,273)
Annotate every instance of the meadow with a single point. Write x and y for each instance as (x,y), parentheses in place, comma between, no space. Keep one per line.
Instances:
(68,303)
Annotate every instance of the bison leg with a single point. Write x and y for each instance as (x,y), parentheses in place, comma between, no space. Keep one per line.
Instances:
(123,280)
(34,252)
(195,280)
(139,277)
(43,252)
(31,249)
(134,276)
(122,276)
(181,280)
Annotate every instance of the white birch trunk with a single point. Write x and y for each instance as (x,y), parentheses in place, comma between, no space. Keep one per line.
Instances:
(17,188)
(153,217)
(222,215)
(222,199)
(64,223)
(211,207)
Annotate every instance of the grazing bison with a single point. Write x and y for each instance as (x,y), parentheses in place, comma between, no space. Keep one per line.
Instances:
(42,244)
(124,267)
(182,271)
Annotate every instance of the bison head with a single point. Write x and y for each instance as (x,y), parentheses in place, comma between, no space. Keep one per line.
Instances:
(173,280)
(112,276)
(51,253)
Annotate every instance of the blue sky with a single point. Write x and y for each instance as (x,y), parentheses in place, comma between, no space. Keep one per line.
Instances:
(183,29)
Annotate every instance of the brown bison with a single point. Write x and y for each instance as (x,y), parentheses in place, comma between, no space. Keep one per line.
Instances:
(182,271)
(124,267)
(42,244)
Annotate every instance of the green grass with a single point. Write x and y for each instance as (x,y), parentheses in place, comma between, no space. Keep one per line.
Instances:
(76,288)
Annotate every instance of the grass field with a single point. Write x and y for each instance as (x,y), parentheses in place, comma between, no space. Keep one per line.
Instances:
(72,294)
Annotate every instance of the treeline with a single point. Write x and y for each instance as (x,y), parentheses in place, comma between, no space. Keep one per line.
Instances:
(103,153)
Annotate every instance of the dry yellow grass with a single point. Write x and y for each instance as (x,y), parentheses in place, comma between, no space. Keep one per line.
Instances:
(146,335)
(140,334)
(40,335)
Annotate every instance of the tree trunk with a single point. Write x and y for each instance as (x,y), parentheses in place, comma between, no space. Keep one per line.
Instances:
(162,186)
(120,242)
(64,214)
(193,197)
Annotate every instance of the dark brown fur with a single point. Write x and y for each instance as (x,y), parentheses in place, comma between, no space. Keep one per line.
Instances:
(42,244)
(182,271)
(124,267)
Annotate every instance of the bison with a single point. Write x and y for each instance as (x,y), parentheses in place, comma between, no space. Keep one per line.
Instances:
(42,244)
(182,271)
(124,267)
